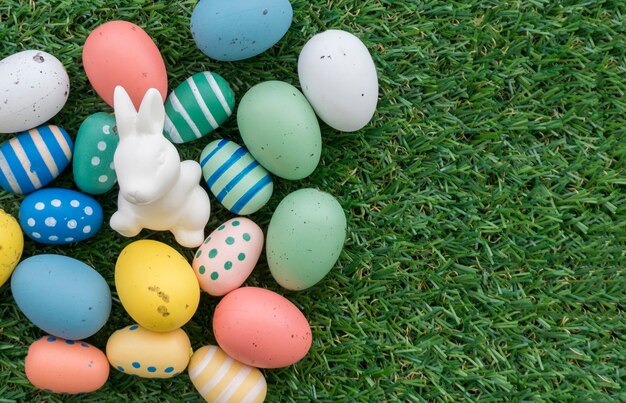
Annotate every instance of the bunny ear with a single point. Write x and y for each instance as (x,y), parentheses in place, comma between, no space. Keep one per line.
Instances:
(125,112)
(151,113)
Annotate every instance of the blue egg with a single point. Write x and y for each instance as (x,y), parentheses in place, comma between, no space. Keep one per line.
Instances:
(34,158)
(60,216)
(229,30)
(62,296)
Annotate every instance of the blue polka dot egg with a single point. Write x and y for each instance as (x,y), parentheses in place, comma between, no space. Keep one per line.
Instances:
(135,350)
(60,216)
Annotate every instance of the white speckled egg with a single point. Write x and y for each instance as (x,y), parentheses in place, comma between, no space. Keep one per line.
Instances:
(33,88)
(228,256)
(338,77)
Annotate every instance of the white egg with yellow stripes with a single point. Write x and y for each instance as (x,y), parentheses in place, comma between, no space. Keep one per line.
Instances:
(219,378)
(33,159)
(197,106)
(236,179)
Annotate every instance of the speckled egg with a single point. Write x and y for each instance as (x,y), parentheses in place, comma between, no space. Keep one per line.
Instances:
(199,105)
(219,378)
(305,238)
(96,141)
(235,30)
(34,87)
(135,350)
(59,216)
(235,178)
(61,295)
(338,77)
(65,366)
(11,245)
(280,129)
(122,53)
(156,285)
(228,256)
(261,328)
(33,159)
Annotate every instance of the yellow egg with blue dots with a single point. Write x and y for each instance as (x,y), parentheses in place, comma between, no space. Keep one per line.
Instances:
(135,350)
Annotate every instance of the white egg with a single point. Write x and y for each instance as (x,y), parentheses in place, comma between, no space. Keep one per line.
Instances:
(338,77)
(33,88)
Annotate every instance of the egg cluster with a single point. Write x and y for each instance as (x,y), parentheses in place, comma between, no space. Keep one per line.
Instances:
(157,286)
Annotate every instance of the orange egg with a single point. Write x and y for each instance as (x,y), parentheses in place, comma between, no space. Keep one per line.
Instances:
(65,366)
(121,53)
(261,328)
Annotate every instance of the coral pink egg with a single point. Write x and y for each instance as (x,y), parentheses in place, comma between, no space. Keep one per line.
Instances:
(261,328)
(121,53)
(66,366)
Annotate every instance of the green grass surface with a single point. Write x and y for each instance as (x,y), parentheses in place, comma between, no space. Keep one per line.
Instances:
(486,201)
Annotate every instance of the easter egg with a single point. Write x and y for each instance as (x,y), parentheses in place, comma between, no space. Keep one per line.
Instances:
(338,77)
(261,328)
(219,378)
(61,295)
(11,245)
(156,285)
(235,30)
(34,158)
(197,106)
(304,238)
(65,366)
(228,256)
(121,53)
(96,141)
(235,178)
(60,216)
(280,129)
(137,351)
(33,89)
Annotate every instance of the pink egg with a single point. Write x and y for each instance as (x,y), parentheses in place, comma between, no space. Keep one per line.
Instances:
(65,366)
(228,256)
(121,53)
(261,328)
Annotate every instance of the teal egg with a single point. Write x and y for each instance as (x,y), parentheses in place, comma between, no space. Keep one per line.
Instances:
(280,129)
(235,178)
(197,106)
(95,146)
(305,238)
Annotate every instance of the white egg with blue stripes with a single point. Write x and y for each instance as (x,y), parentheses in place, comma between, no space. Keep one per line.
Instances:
(235,178)
(33,159)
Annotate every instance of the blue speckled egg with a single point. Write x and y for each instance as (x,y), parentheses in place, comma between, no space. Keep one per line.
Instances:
(61,295)
(34,158)
(235,30)
(59,216)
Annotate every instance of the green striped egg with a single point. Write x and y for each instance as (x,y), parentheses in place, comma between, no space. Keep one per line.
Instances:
(197,106)
(235,178)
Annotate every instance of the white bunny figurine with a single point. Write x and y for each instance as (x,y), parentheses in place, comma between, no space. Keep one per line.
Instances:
(157,190)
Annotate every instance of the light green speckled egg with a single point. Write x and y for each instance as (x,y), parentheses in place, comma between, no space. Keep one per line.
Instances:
(280,129)
(305,238)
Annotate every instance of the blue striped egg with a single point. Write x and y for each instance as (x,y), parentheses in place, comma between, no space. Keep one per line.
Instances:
(240,183)
(199,105)
(60,216)
(34,158)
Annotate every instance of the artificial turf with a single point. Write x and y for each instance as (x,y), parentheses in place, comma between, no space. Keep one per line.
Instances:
(486,200)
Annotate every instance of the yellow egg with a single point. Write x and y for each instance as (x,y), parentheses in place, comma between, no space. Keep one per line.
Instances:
(156,285)
(11,245)
(138,351)
(219,378)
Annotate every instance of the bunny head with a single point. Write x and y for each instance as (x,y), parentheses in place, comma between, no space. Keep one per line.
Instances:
(147,164)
